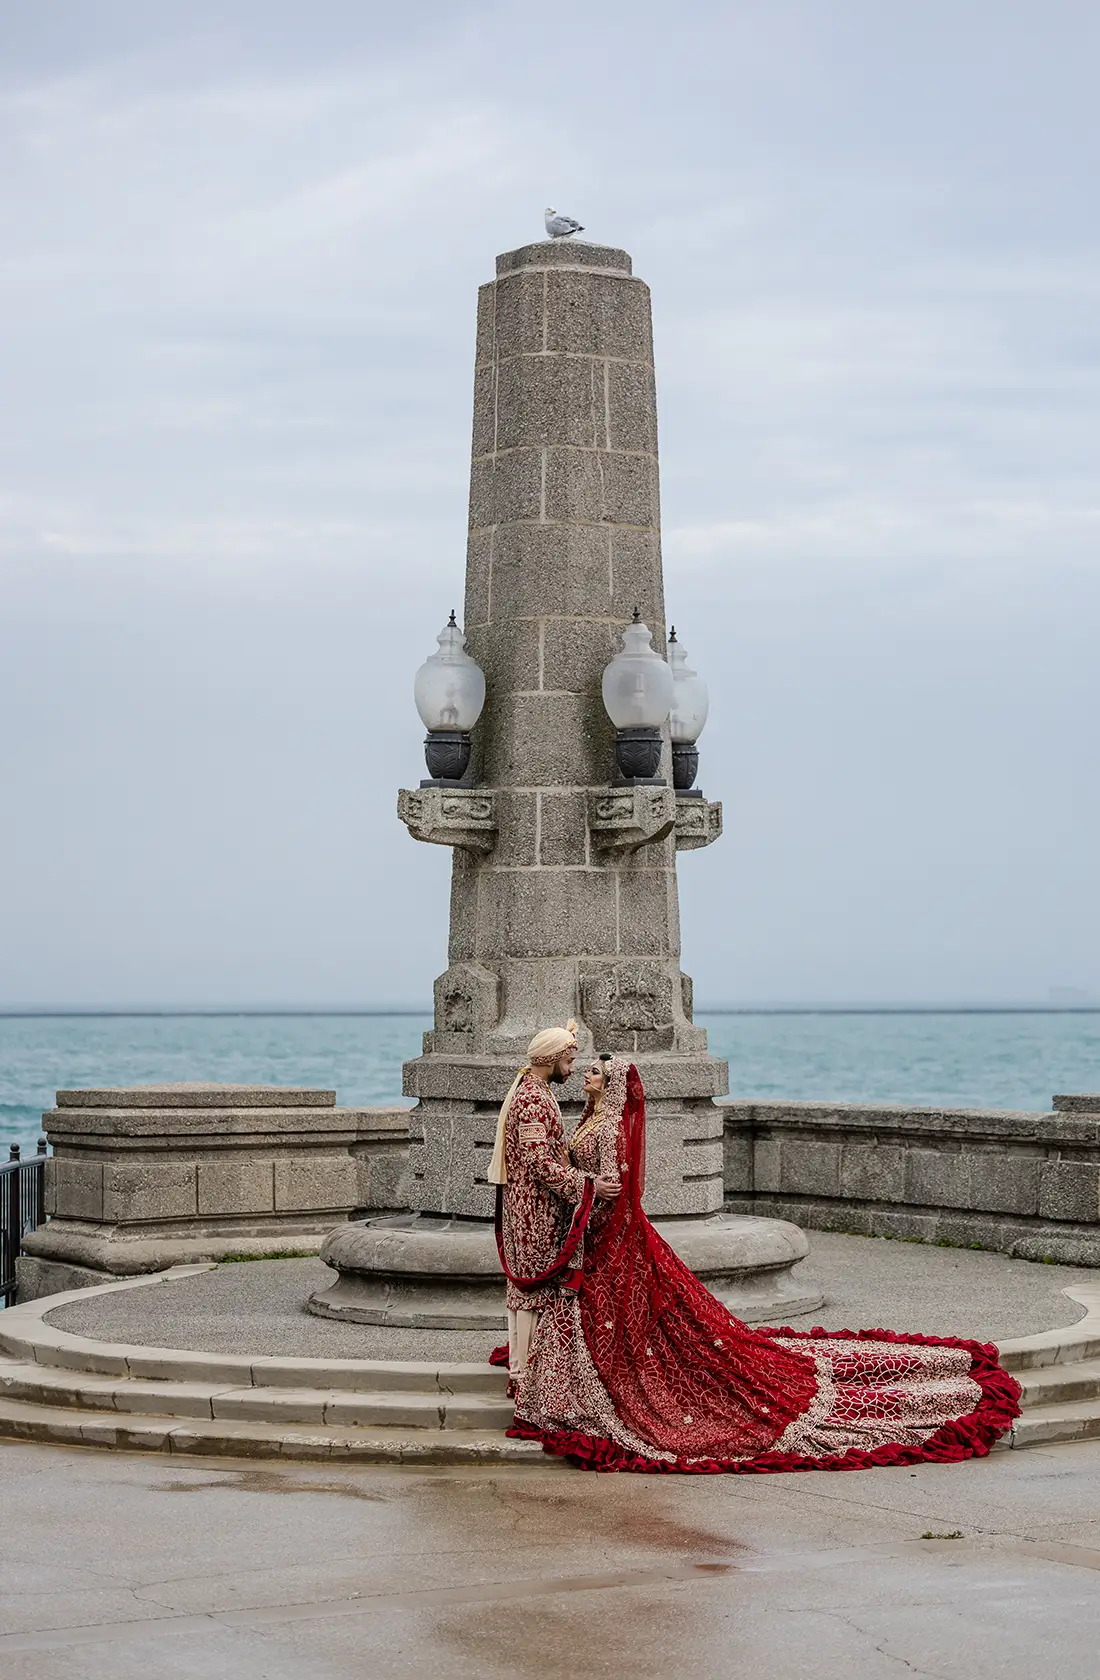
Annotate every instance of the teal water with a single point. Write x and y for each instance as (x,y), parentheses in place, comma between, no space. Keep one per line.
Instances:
(955,1059)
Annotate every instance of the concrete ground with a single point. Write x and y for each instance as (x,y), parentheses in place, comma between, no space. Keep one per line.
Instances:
(257,1307)
(131,1568)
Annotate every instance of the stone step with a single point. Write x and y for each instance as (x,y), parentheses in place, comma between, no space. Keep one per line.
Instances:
(34,1341)
(1069,1420)
(399,1409)
(1053,1384)
(223,1437)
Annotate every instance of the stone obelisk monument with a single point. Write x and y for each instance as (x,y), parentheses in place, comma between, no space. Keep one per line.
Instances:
(563,896)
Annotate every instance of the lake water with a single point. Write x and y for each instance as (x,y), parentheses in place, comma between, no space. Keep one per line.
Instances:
(985,1060)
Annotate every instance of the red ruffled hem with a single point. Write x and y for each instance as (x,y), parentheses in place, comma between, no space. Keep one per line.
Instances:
(970,1436)
(499,1356)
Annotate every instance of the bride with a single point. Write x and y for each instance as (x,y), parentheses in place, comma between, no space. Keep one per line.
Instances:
(641,1368)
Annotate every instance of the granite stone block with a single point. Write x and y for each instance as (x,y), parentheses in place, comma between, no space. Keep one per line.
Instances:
(315,1183)
(563,828)
(510,653)
(479,564)
(596,485)
(872,1172)
(463,921)
(643,914)
(517,815)
(1004,1183)
(560,912)
(141,1191)
(635,564)
(483,440)
(575,652)
(597,315)
(1069,1190)
(549,400)
(556,568)
(518,305)
(810,1167)
(544,740)
(767,1165)
(232,1187)
(506,487)
(74,1189)
(934,1178)
(632,407)
(486,324)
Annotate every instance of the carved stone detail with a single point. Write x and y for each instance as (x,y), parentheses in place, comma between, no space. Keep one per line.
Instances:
(450,816)
(698,823)
(621,820)
(628,1006)
(467,1007)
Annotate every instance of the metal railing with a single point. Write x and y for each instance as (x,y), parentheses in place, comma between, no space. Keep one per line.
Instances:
(22,1208)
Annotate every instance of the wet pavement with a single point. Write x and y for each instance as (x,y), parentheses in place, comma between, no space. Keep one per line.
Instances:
(114,1567)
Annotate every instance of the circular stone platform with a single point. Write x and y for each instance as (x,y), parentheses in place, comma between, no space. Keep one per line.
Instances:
(415,1272)
(257,1308)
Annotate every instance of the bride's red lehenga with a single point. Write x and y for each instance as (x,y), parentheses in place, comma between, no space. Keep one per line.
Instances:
(642,1368)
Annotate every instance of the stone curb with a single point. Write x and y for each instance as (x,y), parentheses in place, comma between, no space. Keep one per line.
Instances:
(1067,1346)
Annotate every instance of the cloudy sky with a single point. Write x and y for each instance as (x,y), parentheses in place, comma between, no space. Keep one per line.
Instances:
(241,244)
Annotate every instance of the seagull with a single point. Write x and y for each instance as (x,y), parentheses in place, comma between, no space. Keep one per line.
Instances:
(560,227)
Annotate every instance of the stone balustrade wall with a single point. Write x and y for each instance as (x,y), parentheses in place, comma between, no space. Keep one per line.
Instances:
(1027,1184)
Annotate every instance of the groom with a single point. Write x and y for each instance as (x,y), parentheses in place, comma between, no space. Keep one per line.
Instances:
(543,1200)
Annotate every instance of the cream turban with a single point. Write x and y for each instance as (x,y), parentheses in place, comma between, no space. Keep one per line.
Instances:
(546,1046)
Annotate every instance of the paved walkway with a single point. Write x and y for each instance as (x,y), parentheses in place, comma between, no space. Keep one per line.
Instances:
(134,1568)
(257,1307)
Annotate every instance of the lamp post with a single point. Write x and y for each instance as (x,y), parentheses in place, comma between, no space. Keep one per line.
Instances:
(637,695)
(690,705)
(449,690)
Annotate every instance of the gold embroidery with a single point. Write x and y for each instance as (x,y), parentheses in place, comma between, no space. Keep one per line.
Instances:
(532,1131)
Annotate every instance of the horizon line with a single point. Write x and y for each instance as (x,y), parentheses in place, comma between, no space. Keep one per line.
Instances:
(367,1011)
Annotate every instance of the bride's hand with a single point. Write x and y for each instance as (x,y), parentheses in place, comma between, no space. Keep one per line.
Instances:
(607,1189)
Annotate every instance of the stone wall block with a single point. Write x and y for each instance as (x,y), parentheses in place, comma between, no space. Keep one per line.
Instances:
(574,653)
(737,1164)
(506,487)
(509,654)
(549,399)
(632,406)
(589,484)
(315,1183)
(810,1167)
(643,913)
(597,315)
(872,1172)
(518,306)
(517,817)
(136,1191)
(560,912)
(74,1189)
(463,923)
(563,828)
(767,1165)
(551,568)
(479,562)
(543,740)
(1004,1183)
(636,579)
(1069,1190)
(935,1178)
(486,324)
(485,401)
(233,1187)
(683,1175)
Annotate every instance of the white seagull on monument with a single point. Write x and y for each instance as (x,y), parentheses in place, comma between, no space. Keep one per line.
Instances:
(560,227)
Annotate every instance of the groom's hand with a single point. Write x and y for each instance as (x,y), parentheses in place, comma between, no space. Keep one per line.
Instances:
(607,1189)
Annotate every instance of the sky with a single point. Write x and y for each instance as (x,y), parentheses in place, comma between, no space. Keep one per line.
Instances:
(239,255)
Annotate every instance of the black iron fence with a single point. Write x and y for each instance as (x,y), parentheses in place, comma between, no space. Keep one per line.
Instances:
(22,1207)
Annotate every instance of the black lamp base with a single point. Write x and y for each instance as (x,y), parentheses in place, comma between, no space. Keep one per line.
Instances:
(638,755)
(447,755)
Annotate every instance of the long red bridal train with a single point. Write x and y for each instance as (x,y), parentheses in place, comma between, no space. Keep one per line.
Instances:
(642,1369)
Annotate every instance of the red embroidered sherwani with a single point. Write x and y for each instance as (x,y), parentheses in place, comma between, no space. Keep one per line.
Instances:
(541,1191)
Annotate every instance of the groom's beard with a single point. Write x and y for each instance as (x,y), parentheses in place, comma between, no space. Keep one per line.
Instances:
(557,1077)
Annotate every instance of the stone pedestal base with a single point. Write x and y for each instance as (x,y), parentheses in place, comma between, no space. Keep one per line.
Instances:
(417,1272)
